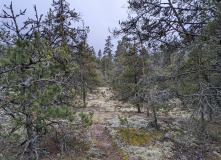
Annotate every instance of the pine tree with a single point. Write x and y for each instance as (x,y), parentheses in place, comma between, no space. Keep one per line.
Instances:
(107,56)
(127,72)
(58,28)
(182,29)
(40,75)
(86,59)
(99,54)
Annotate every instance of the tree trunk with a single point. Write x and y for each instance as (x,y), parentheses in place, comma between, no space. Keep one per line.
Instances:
(210,114)
(138,108)
(84,94)
(154,117)
(30,133)
(143,70)
(148,111)
(202,121)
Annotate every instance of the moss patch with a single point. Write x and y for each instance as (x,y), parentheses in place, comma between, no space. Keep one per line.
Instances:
(139,137)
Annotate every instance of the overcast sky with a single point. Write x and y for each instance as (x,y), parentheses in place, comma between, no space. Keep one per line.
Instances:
(99,15)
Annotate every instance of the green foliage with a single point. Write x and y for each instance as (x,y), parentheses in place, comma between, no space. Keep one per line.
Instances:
(128,71)
(123,120)
(86,69)
(43,73)
(86,119)
(106,63)
(16,136)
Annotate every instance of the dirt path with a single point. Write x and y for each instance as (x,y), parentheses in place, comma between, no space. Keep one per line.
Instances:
(104,142)
(104,108)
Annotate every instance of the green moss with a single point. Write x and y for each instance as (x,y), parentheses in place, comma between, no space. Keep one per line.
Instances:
(139,137)
(124,154)
(116,147)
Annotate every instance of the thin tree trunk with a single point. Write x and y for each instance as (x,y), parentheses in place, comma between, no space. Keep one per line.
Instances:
(200,97)
(84,94)
(30,133)
(202,120)
(210,112)
(143,62)
(138,108)
(154,117)
(84,77)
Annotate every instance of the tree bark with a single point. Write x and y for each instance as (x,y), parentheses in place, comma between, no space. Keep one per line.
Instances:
(138,108)
(84,94)
(30,132)
(154,117)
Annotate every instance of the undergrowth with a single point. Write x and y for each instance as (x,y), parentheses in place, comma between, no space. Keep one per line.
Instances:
(139,137)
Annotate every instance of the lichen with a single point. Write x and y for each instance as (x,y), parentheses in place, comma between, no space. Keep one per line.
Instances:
(139,137)
(144,153)
(94,141)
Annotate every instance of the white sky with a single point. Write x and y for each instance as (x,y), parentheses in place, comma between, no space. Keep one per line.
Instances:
(99,15)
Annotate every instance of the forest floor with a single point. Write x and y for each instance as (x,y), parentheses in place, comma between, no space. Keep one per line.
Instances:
(119,132)
(106,111)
